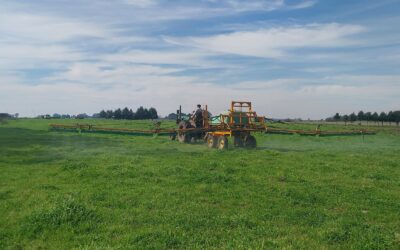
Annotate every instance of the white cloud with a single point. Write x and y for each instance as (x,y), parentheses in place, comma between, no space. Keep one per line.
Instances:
(251,5)
(313,98)
(29,41)
(303,5)
(155,11)
(364,80)
(274,42)
(45,29)
(33,40)
(178,57)
(27,56)
(142,3)
(111,75)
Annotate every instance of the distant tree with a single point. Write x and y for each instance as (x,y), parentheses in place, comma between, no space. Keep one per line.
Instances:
(382,117)
(82,116)
(118,114)
(360,116)
(390,117)
(129,114)
(396,115)
(148,114)
(56,116)
(153,113)
(16,115)
(345,119)
(110,114)
(171,116)
(65,116)
(368,116)
(140,113)
(336,117)
(353,117)
(125,114)
(132,114)
(375,117)
(103,114)
(5,115)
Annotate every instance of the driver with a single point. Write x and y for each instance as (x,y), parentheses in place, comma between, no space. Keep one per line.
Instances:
(198,116)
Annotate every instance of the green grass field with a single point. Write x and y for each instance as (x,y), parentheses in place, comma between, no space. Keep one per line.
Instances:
(62,190)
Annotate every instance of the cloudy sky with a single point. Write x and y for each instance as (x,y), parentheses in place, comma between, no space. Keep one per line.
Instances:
(291,58)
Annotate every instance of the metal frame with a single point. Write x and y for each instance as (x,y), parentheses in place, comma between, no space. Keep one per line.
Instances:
(254,122)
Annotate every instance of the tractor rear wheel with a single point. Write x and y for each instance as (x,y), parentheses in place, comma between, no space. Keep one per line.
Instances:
(184,137)
(237,141)
(212,141)
(222,143)
(250,142)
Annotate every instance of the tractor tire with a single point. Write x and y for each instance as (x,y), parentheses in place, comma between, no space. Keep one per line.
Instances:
(250,142)
(212,141)
(184,137)
(237,141)
(205,138)
(222,143)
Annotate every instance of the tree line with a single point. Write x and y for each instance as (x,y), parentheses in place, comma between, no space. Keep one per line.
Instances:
(127,114)
(391,116)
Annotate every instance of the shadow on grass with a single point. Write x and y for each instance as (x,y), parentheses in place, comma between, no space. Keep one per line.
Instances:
(109,132)
(18,137)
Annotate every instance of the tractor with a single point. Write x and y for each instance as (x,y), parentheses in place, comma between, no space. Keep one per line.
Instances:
(239,122)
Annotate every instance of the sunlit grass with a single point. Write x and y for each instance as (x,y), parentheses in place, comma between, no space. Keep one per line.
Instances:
(65,190)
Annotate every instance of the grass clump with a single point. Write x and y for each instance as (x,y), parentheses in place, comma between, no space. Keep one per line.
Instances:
(364,236)
(64,213)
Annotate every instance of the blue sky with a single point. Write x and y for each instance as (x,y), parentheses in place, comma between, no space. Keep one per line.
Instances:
(291,58)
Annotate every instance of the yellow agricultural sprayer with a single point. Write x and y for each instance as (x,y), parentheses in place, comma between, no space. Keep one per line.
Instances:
(240,122)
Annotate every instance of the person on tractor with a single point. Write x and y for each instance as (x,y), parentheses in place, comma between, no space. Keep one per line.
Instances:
(198,116)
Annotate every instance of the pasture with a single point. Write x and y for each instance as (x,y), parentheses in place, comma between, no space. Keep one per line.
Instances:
(62,190)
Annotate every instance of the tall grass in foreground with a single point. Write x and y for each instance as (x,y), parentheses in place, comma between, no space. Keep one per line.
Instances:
(70,190)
